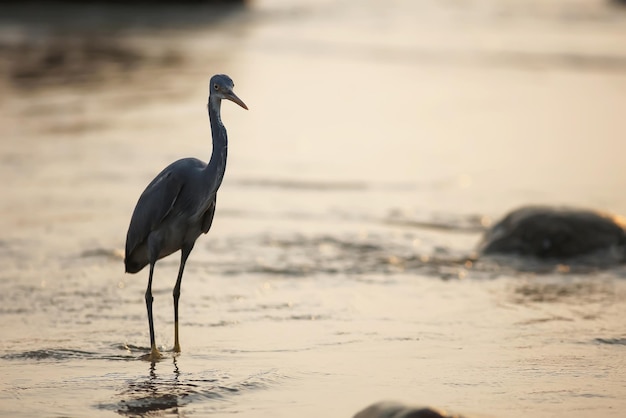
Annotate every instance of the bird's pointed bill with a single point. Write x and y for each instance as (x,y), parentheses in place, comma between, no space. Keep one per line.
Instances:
(233,98)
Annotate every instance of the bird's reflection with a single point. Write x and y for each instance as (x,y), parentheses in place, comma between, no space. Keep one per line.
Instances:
(166,390)
(155,393)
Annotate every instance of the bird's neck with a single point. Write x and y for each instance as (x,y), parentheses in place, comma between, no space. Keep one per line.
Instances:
(217,164)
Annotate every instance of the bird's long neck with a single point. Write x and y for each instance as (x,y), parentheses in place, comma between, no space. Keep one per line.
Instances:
(217,165)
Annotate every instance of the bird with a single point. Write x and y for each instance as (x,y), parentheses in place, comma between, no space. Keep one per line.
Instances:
(178,206)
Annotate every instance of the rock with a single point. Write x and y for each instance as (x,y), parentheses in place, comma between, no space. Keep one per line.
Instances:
(387,409)
(556,233)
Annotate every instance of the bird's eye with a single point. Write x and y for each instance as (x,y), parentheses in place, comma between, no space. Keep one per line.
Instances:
(216,87)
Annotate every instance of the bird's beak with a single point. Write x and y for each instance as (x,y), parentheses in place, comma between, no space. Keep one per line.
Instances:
(233,98)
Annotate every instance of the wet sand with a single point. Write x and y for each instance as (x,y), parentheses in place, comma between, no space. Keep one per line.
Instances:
(381,141)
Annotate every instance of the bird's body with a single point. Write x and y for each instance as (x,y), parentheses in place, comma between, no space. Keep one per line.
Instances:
(178,206)
(188,214)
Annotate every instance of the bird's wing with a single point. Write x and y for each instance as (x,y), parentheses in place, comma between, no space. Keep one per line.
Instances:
(154,204)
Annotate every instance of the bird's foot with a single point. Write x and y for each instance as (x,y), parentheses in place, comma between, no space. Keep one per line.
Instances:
(154,355)
(176,348)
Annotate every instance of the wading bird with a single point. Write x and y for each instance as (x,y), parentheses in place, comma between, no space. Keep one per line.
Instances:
(178,206)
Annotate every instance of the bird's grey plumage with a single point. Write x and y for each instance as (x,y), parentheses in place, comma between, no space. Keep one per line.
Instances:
(179,205)
(173,198)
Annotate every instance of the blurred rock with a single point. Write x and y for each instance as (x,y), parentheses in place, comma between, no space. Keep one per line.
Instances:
(143,1)
(556,233)
(387,409)
(69,59)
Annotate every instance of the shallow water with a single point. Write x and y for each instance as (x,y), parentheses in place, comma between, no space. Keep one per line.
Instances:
(382,139)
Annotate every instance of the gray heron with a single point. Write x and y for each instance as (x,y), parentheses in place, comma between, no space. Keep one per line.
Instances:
(178,206)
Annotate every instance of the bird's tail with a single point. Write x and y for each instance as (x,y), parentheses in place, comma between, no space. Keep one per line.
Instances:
(132,266)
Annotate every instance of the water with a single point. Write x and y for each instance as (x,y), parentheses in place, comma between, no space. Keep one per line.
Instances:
(382,139)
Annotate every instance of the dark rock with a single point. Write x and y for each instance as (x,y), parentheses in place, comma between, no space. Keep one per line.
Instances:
(388,409)
(556,233)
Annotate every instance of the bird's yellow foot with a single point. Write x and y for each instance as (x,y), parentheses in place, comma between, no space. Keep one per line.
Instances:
(153,356)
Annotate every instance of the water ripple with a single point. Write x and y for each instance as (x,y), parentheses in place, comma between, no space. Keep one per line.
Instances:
(611,341)
(61,354)
(160,393)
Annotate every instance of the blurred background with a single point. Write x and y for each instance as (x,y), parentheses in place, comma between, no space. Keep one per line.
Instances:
(474,106)
(381,135)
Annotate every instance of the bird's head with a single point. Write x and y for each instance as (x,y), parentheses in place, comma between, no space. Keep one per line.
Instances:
(221,87)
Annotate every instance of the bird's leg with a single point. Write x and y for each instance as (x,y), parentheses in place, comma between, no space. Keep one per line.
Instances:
(184,254)
(154,352)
